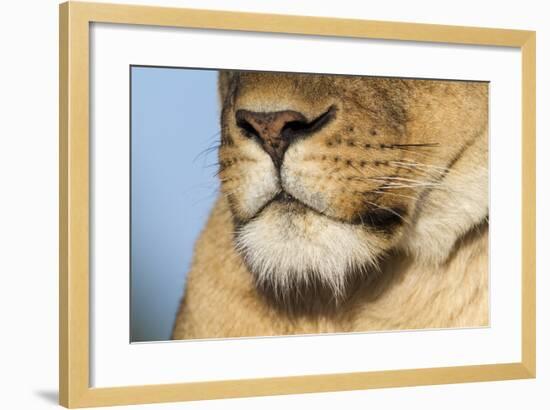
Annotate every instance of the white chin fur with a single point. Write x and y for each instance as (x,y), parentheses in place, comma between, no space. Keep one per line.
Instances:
(284,248)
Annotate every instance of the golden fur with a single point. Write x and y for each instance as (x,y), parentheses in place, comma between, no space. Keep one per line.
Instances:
(387,223)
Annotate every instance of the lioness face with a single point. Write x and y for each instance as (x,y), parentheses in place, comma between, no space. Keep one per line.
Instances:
(326,174)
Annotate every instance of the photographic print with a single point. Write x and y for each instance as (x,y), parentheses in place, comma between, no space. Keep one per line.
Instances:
(216,207)
(271,204)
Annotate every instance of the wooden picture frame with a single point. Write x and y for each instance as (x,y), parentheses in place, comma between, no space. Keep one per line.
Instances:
(74,351)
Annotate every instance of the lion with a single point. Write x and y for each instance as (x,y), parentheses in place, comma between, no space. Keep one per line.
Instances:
(346,204)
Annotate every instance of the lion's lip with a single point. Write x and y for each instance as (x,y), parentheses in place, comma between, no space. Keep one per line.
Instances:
(284,197)
(380,218)
(287,201)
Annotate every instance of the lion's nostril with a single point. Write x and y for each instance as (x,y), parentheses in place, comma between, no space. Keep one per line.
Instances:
(275,131)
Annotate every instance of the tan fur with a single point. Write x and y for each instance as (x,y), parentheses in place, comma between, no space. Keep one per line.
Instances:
(429,270)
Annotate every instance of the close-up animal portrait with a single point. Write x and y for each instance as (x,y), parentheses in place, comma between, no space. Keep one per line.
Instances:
(275,203)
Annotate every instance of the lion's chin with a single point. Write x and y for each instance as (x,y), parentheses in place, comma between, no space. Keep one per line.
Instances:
(288,246)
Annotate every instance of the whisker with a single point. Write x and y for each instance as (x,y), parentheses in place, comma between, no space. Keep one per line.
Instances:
(399,186)
(441,170)
(393,193)
(213,164)
(422,154)
(414,164)
(206,151)
(214,135)
(427,144)
(219,171)
(398,179)
(412,183)
(378,206)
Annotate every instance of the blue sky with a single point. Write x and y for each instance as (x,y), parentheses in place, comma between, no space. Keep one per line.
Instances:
(174,119)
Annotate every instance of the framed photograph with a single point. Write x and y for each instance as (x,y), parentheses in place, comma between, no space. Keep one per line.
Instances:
(257,204)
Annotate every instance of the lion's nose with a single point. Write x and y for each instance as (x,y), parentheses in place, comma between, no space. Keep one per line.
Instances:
(275,131)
